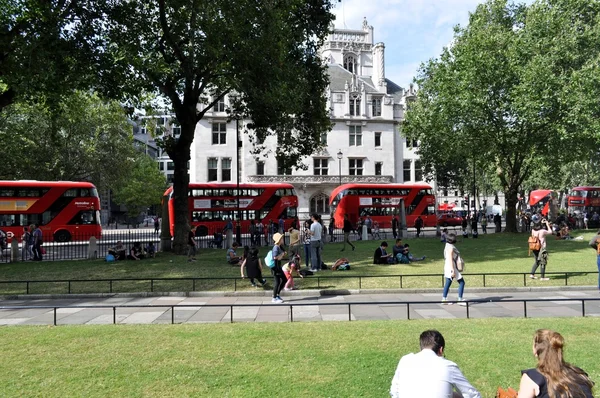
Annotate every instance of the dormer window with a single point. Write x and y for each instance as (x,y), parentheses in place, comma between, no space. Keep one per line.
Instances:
(354,104)
(350,63)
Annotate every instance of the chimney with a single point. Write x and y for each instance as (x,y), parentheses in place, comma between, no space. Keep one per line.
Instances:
(379,67)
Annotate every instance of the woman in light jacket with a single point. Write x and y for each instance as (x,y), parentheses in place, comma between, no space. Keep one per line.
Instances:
(451,255)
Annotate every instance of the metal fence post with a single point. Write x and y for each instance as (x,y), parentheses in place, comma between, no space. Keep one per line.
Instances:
(69,290)
(291,313)
(583,307)
(114,315)
(524,280)
(27,288)
(359,282)
(231,313)
(566,279)
(172,314)
(235,284)
(468,317)
(525,309)
(193,285)
(400,281)
(483,281)
(152,285)
(54,316)
(349,313)
(110,286)
(408,311)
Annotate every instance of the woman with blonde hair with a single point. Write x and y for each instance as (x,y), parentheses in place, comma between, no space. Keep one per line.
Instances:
(553,377)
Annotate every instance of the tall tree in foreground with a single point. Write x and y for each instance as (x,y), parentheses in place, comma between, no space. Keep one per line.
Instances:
(192,53)
(518,88)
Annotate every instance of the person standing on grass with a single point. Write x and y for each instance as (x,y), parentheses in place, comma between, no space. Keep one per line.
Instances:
(451,256)
(27,244)
(553,377)
(306,240)
(254,268)
(294,241)
(594,243)
(347,228)
(279,279)
(484,224)
(316,230)
(427,374)
(395,226)
(192,244)
(228,232)
(38,239)
(540,257)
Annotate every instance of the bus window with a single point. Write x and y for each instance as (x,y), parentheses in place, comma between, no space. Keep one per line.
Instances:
(84,192)
(70,193)
(7,192)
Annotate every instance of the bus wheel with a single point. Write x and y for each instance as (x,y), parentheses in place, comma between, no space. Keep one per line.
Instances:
(62,236)
(202,231)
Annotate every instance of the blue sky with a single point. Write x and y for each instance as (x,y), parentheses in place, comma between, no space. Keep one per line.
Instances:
(413,31)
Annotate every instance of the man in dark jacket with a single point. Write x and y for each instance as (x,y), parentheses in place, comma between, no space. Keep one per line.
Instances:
(347,228)
(381,255)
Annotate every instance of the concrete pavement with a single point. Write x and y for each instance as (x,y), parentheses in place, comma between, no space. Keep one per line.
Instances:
(306,306)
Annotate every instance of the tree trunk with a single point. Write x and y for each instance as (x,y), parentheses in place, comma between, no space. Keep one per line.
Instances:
(510,196)
(181,179)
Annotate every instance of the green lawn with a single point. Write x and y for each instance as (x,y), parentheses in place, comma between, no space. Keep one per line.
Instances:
(491,253)
(325,359)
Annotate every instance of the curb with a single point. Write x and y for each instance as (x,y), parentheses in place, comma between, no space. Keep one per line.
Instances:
(294,293)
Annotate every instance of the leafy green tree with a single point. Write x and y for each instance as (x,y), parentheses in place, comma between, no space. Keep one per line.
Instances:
(194,53)
(143,186)
(82,138)
(41,55)
(517,89)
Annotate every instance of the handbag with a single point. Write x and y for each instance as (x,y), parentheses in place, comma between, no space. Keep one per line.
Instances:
(459,263)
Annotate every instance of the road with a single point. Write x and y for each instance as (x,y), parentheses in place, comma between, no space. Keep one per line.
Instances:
(307,306)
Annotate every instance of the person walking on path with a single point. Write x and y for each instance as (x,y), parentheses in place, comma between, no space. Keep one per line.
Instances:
(347,228)
(451,259)
(316,231)
(595,244)
(427,374)
(279,279)
(418,225)
(306,241)
(540,257)
(192,244)
(553,377)
(37,243)
(254,268)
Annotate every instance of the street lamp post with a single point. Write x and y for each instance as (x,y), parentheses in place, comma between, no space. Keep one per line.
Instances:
(339,156)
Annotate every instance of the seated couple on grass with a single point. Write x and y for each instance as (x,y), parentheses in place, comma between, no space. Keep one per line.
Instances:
(427,374)
(400,254)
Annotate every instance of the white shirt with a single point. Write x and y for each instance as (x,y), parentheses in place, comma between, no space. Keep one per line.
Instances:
(426,375)
(451,253)
(316,230)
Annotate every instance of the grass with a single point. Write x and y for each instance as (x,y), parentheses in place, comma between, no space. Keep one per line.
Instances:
(488,254)
(325,359)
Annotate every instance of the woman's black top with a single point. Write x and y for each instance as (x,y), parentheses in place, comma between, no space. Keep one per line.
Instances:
(540,380)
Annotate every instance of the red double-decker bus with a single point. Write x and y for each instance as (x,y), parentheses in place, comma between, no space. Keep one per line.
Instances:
(584,199)
(381,202)
(64,210)
(540,200)
(211,204)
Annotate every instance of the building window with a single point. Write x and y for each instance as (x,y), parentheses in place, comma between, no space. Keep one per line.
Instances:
(418,171)
(350,63)
(355,104)
(170,178)
(143,130)
(378,168)
(356,167)
(226,169)
(176,130)
(282,168)
(219,133)
(355,135)
(321,167)
(407,167)
(219,106)
(323,138)
(213,169)
(161,166)
(260,168)
(412,143)
(376,107)
(377,139)
(319,204)
(170,166)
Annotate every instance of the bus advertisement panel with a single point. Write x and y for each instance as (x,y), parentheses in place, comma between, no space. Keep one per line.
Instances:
(211,204)
(64,210)
(381,203)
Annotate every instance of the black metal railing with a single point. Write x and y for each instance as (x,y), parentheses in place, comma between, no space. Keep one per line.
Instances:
(193,284)
(468,304)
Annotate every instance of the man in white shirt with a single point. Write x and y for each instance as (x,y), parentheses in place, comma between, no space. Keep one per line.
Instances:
(315,243)
(428,374)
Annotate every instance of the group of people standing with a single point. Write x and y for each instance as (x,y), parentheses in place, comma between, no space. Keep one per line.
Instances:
(32,243)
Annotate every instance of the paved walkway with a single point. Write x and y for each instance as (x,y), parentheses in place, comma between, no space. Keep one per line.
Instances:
(307,306)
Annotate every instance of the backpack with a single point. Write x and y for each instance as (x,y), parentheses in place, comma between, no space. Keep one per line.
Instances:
(534,243)
(269,260)
(109,258)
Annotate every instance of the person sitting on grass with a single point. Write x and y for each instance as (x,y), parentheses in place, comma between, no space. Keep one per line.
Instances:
(444,236)
(427,374)
(136,252)
(408,254)
(119,251)
(151,250)
(253,265)
(381,255)
(553,377)
(232,257)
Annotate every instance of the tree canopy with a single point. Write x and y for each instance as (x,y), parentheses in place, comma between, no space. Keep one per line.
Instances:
(516,90)
(193,53)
